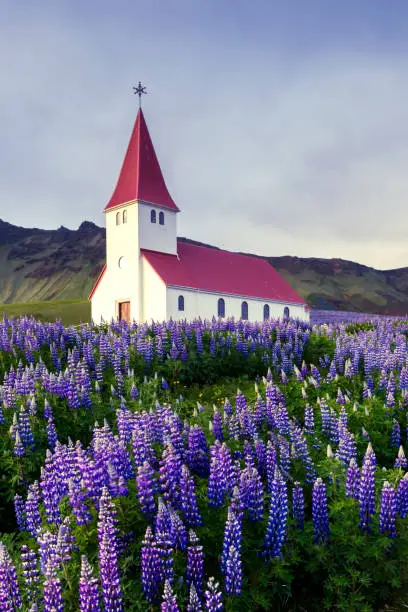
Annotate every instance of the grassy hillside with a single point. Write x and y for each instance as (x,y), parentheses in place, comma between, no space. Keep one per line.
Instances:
(71,312)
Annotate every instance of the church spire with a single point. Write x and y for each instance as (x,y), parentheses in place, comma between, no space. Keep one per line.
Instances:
(140,177)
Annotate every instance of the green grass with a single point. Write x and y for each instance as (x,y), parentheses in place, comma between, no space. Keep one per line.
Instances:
(71,312)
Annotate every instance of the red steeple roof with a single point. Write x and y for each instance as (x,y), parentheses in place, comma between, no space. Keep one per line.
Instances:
(141,177)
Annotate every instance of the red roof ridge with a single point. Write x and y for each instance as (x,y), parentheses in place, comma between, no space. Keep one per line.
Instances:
(140,177)
(98,280)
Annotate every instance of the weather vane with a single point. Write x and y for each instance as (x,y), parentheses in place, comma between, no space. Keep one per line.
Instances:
(140,90)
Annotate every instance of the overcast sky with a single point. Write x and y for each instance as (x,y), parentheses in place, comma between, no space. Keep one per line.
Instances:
(281,126)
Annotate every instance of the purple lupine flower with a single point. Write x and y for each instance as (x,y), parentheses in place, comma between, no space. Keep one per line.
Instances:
(51,434)
(213,597)
(10,598)
(197,452)
(65,541)
(150,566)
(278,513)
(77,499)
(366,494)
(134,393)
(233,572)
(353,480)
(52,596)
(232,538)
(194,604)
(402,497)
(217,425)
(347,449)
(145,482)
(19,509)
(88,588)
(195,563)
(395,434)
(169,474)
(31,574)
(188,499)
(169,603)
(270,464)
(18,450)
(388,510)
(401,460)
(32,509)
(298,505)
(301,451)
(164,545)
(178,530)
(251,493)
(107,553)
(309,424)
(320,512)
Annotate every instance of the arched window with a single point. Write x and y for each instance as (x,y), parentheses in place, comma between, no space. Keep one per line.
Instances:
(221,307)
(266,312)
(161,218)
(181,302)
(286,312)
(244,310)
(152,216)
(124,216)
(118,218)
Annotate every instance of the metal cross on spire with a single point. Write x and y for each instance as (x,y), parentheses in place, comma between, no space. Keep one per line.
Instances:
(139,90)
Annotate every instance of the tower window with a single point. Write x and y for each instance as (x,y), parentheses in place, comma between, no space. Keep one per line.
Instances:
(221,307)
(152,216)
(118,218)
(244,310)
(286,312)
(266,312)
(124,216)
(181,302)
(161,218)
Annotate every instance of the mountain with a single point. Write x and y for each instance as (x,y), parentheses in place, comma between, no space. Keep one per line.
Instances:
(37,265)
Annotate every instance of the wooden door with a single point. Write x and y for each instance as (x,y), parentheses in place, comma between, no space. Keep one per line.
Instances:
(124,311)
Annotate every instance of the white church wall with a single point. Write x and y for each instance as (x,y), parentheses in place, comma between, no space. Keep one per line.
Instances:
(153,293)
(115,286)
(205,305)
(154,236)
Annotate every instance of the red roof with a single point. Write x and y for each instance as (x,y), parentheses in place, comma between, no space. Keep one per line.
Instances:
(199,267)
(98,280)
(141,177)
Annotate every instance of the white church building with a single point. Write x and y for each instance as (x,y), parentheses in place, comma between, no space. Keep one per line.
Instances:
(151,275)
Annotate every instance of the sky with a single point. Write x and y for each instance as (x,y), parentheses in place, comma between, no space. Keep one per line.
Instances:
(281,126)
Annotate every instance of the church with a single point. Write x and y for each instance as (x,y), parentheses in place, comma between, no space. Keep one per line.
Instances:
(151,275)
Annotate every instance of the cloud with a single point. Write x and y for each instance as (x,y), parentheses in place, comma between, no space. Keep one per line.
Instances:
(303,152)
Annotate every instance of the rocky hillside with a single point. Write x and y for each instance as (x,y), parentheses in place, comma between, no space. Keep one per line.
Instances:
(38,264)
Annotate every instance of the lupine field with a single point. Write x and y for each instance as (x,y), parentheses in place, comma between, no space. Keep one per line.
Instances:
(203,466)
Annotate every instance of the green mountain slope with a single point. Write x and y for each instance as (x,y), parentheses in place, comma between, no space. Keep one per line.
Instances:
(41,265)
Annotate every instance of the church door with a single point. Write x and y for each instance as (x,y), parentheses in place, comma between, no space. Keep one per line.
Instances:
(124,311)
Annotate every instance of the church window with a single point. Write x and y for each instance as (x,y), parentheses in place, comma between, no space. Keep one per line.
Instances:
(161,218)
(221,307)
(152,216)
(124,216)
(286,312)
(266,312)
(118,218)
(244,310)
(122,262)
(181,302)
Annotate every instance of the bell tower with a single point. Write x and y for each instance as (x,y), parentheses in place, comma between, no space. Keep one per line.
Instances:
(141,214)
